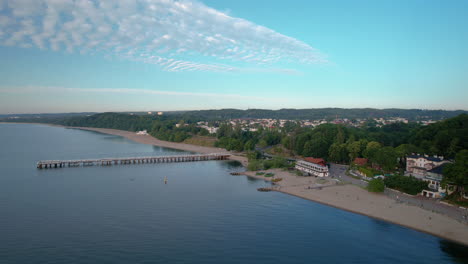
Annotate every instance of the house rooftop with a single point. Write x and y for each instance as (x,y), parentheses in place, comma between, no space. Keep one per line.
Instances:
(438,169)
(360,161)
(318,161)
(431,158)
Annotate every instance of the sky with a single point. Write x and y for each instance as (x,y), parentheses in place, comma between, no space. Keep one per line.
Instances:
(163,55)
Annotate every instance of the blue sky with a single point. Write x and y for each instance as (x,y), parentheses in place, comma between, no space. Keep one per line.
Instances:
(141,55)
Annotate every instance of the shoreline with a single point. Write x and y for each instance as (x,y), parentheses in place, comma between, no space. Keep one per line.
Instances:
(357,200)
(344,197)
(462,242)
(150,140)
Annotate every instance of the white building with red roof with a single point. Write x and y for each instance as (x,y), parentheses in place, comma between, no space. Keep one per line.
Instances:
(313,166)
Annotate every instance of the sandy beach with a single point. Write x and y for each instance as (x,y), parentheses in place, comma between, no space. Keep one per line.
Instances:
(358,200)
(347,197)
(330,192)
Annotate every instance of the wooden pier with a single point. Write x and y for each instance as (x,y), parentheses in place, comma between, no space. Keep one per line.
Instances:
(48,164)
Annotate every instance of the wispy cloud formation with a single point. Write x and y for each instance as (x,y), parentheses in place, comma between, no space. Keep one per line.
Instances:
(176,35)
(63,90)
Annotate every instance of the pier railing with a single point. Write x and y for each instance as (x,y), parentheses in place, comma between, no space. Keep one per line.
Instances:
(46,164)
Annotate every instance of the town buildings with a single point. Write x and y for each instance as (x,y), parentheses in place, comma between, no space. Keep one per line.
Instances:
(254,124)
(205,125)
(313,166)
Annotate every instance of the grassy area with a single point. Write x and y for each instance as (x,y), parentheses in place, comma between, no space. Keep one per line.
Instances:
(264,164)
(269,174)
(369,172)
(259,173)
(201,141)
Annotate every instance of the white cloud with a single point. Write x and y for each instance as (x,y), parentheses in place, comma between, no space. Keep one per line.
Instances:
(64,90)
(175,35)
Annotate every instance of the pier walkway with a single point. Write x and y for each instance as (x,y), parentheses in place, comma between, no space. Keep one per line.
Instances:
(132,160)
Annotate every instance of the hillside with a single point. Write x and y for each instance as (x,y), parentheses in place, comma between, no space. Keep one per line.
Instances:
(320,113)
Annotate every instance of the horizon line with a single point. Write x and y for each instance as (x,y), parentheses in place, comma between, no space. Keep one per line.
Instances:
(240,109)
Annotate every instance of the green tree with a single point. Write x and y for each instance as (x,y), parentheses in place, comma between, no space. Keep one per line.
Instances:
(235,144)
(406,149)
(224,130)
(340,136)
(371,149)
(255,165)
(272,138)
(376,185)
(262,143)
(280,162)
(253,155)
(405,184)
(386,157)
(300,143)
(286,142)
(204,132)
(354,148)
(338,153)
(457,172)
(249,145)
(454,147)
(316,147)
(290,126)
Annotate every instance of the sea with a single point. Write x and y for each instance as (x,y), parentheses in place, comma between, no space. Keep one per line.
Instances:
(128,214)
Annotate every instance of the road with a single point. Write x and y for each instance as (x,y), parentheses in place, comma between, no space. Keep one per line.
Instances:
(338,171)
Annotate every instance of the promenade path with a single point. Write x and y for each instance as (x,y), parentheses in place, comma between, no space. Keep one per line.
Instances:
(435,205)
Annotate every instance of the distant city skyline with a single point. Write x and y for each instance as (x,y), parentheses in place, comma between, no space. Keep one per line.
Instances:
(154,55)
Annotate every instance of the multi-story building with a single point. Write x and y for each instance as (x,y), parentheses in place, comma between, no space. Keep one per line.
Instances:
(430,170)
(434,188)
(313,166)
(419,165)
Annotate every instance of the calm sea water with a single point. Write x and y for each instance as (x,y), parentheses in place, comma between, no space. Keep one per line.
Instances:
(126,214)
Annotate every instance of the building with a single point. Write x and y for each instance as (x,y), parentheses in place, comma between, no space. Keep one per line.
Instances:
(313,166)
(434,178)
(360,161)
(429,169)
(143,132)
(419,165)
(211,130)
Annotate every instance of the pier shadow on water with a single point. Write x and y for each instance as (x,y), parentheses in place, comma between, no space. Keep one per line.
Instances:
(233,165)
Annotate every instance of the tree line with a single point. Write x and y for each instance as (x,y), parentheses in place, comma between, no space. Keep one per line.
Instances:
(383,146)
(335,143)
(319,113)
